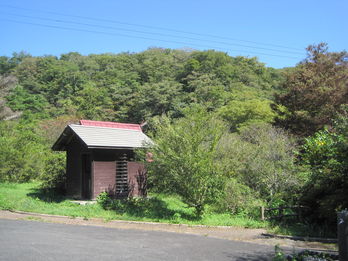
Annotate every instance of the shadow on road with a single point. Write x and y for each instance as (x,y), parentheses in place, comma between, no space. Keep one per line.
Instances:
(261,256)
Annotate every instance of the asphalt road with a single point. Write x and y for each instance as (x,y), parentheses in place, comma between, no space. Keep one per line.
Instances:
(33,240)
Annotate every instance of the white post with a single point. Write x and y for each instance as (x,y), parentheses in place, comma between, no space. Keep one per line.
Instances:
(262,209)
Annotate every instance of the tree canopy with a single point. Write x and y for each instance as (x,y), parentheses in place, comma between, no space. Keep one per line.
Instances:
(133,86)
(315,90)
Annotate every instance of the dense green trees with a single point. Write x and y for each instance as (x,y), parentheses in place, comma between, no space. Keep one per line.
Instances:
(21,152)
(135,87)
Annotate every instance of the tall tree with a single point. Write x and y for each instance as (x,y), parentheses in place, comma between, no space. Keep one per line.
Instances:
(314,91)
(184,158)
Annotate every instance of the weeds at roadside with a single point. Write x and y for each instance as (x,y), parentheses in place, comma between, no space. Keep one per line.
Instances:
(305,255)
(32,218)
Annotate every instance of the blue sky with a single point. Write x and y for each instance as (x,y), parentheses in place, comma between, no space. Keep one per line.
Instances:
(277,32)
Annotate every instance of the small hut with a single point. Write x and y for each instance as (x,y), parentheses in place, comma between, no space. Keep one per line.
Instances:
(100,157)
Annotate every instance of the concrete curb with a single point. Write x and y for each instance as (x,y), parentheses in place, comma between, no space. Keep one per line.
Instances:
(126,221)
(36,214)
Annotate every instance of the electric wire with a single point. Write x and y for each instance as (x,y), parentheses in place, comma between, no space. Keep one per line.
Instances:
(144,38)
(149,27)
(149,33)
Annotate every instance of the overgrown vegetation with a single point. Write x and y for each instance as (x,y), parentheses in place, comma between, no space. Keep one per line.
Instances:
(230,133)
(326,155)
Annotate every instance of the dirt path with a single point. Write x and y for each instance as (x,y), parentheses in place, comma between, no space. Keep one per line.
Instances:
(230,233)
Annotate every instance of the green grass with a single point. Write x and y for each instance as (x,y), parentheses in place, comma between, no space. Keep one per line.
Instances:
(161,208)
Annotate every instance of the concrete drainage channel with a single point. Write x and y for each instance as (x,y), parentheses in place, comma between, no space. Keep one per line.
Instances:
(308,239)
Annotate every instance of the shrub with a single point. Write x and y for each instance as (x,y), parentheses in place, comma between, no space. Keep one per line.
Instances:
(104,200)
(262,158)
(239,199)
(140,207)
(54,175)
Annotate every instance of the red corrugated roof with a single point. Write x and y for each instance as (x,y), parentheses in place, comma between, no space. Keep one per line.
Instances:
(109,124)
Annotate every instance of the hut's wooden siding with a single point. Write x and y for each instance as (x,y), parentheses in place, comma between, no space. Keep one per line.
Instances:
(104,177)
(136,178)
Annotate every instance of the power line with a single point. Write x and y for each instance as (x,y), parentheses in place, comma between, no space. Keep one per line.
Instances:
(149,33)
(141,37)
(152,27)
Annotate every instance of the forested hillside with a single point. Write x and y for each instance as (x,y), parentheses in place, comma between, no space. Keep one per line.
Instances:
(256,135)
(136,87)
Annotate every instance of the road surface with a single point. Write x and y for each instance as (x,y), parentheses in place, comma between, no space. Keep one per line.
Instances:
(33,240)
